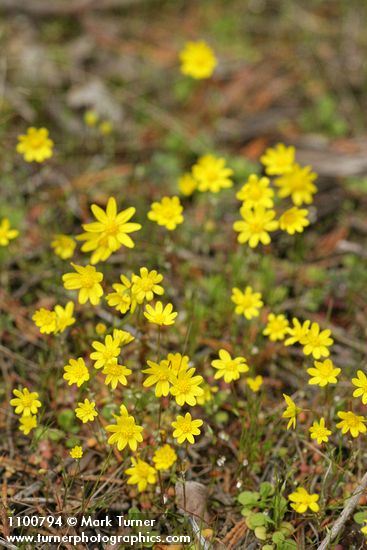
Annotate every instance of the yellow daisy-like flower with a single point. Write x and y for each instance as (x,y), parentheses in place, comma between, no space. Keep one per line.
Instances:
(106,127)
(123,336)
(91,118)
(187,184)
(297,332)
(125,431)
(208,394)
(109,233)
(123,299)
(167,212)
(177,363)
(45,320)
(35,145)
(255,383)
(27,423)
(186,428)
(76,452)
(324,373)
(115,374)
(186,387)
(25,402)
(6,233)
(301,500)
(255,225)
(248,302)
(319,431)
(105,353)
(256,192)
(63,246)
(316,342)
(351,422)
(101,329)
(76,372)
(197,60)
(85,411)
(291,411)
(164,457)
(278,160)
(87,280)
(277,327)
(161,375)
(145,285)
(64,316)
(294,220)
(228,368)
(298,184)
(141,474)
(361,383)
(212,174)
(159,315)
(364,529)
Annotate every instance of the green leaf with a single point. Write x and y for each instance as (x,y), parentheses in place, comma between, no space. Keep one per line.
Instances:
(260,533)
(278,537)
(266,489)
(257,520)
(249,498)
(360,517)
(286,528)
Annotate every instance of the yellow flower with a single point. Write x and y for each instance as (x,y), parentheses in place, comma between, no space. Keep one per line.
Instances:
(361,383)
(64,246)
(164,457)
(294,220)
(141,474)
(101,329)
(187,184)
(125,431)
(207,395)
(364,529)
(25,402)
(35,145)
(186,387)
(324,373)
(109,233)
(186,428)
(255,226)
(351,422)
(167,212)
(106,127)
(159,315)
(123,336)
(255,383)
(301,500)
(298,184)
(256,192)
(91,118)
(27,423)
(297,332)
(229,368)
(45,320)
(76,372)
(316,342)
(160,375)
(76,452)
(197,60)
(123,299)
(177,362)
(278,160)
(7,234)
(106,352)
(64,316)
(146,285)
(86,411)
(277,327)
(212,174)
(87,280)
(247,303)
(115,374)
(291,411)
(319,432)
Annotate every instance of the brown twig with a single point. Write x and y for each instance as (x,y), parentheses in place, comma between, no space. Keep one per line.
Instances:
(347,511)
(45,9)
